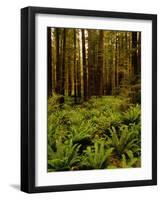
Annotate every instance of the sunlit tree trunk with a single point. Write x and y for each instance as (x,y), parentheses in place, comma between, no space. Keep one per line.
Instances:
(90,64)
(75,66)
(53,59)
(116,63)
(84,65)
(109,64)
(79,67)
(63,63)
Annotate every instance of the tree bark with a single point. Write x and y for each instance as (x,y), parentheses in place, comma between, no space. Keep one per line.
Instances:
(134,55)
(75,67)
(49,63)
(58,72)
(100,65)
(84,65)
(79,69)
(63,63)
(139,53)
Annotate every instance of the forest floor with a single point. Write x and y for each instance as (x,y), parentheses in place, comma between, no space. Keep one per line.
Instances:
(101,133)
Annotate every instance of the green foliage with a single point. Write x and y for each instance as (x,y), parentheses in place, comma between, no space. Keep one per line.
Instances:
(98,134)
(124,141)
(81,134)
(86,128)
(64,158)
(132,115)
(131,162)
(97,156)
(115,119)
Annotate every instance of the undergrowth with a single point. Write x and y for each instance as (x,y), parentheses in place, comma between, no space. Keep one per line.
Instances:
(104,132)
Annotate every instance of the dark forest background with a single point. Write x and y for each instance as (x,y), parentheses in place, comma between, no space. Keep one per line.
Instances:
(94,99)
(84,63)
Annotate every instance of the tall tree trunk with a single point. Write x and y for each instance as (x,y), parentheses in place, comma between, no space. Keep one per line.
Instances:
(134,56)
(53,60)
(49,63)
(139,53)
(90,64)
(125,60)
(116,63)
(109,66)
(109,63)
(84,65)
(58,71)
(79,69)
(75,67)
(69,58)
(100,65)
(69,78)
(63,63)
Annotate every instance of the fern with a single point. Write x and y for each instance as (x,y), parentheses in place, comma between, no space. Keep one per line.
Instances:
(97,157)
(131,161)
(65,157)
(132,115)
(124,141)
(81,134)
(103,132)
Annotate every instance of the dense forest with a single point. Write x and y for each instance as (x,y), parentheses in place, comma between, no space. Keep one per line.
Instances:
(94,97)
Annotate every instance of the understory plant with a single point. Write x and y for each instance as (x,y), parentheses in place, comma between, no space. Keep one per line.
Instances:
(65,157)
(100,133)
(124,140)
(97,156)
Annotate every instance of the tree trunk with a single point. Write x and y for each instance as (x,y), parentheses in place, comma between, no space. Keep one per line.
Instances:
(49,63)
(75,67)
(63,63)
(100,65)
(79,70)
(116,63)
(53,60)
(84,65)
(134,55)
(139,53)
(58,72)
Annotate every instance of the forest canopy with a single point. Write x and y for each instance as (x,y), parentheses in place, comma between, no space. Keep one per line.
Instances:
(94,99)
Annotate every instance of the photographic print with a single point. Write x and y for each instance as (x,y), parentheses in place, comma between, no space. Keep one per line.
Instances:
(88,99)
(94,99)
